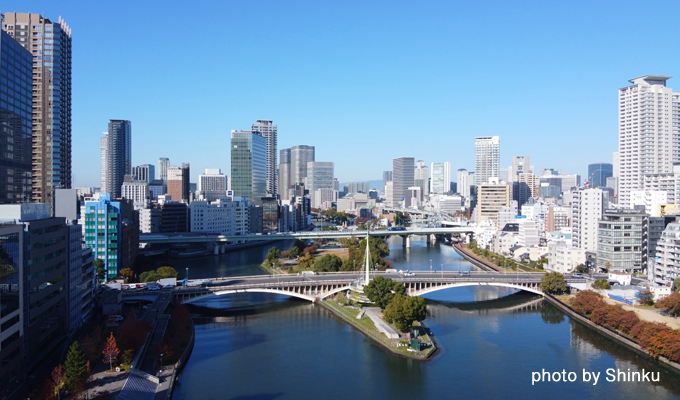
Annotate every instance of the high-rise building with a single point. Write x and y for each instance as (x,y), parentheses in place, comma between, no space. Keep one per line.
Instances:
(16,69)
(249,164)
(163,165)
(212,184)
(144,172)
(103,161)
(421,178)
(491,198)
(357,187)
(520,165)
(464,182)
(178,183)
(12,317)
(299,157)
(649,132)
(619,240)
(487,159)
(402,179)
(320,175)
(665,269)
(387,177)
(587,207)
(50,44)
(118,155)
(598,174)
(441,177)
(284,174)
(135,190)
(268,130)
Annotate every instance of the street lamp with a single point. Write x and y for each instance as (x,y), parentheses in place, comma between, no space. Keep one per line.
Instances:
(430,265)
(187,277)
(161,360)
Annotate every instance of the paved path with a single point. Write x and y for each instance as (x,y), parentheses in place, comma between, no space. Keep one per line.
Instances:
(111,382)
(372,313)
(647,315)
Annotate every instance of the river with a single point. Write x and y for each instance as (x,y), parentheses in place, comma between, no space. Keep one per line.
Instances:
(263,346)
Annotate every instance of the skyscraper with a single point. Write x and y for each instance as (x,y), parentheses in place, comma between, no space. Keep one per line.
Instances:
(402,179)
(299,157)
(163,164)
(178,183)
(268,130)
(103,161)
(598,174)
(487,159)
(16,68)
(441,177)
(50,44)
(464,182)
(119,155)
(319,176)
(144,172)
(284,174)
(249,164)
(421,178)
(520,165)
(387,177)
(649,132)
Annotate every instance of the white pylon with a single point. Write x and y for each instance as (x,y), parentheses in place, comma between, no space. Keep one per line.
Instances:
(368,257)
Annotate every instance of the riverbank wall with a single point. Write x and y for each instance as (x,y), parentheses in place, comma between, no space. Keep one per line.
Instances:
(179,365)
(474,260)
(611,333)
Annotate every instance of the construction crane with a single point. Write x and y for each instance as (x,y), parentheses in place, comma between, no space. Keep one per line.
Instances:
(585,184)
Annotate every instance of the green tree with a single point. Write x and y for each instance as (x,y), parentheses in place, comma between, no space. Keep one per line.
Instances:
(341,298)
(305,262)
(127,273)
(167,272)
(99,267)
(149,276)
(601,284)
(377,246)
(294,252)
(328,263)
(382,290)
(273,254)
(646,298)
(581,269)
(676,283)
(347,265)
(300,245)
(403,310)
(75,367)
(553,282)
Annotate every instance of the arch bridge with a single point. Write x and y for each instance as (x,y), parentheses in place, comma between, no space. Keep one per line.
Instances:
(318,287)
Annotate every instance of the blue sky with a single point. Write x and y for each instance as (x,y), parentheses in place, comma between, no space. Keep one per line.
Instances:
(364,82)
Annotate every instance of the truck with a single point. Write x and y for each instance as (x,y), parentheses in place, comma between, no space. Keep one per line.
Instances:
(163,282)
(307,273)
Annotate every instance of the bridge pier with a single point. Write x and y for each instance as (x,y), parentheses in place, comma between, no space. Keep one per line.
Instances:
(223,249)
(216,250)
(407,241)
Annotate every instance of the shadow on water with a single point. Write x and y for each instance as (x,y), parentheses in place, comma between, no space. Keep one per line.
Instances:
(583,337)
(267,396)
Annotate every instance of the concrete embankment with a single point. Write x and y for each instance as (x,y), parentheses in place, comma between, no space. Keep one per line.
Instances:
(474,260)
(611,333)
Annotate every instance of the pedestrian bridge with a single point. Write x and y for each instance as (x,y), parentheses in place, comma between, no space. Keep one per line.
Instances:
(318,287)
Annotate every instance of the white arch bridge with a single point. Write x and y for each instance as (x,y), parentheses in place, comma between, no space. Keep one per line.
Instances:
(318,287)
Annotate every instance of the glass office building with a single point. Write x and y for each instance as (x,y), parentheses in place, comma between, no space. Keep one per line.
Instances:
(598,173)
(102,231)
(248,164)
(16,64)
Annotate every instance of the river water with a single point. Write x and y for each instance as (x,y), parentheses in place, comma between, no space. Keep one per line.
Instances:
(262,346)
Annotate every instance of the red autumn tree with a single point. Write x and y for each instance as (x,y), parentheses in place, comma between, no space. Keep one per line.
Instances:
(133,332)
(57,379)
(110,351)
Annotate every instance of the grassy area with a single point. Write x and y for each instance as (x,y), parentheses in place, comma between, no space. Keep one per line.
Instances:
(366,325)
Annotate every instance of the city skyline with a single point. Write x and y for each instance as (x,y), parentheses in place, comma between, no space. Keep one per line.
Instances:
(387,95)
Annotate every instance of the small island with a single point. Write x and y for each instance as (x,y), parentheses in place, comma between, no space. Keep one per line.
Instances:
(386,314)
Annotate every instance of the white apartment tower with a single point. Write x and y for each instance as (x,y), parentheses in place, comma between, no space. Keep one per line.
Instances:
(587,207)
(649,132)
(441,178)
(487,159)
(103,160)
(402,179)
(464,180)
(268,130)
(163,164)
(421,177)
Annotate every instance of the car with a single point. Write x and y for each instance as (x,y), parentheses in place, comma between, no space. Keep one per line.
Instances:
(153,288)
(409,273)
(115,318)
(577,275)
(465,272)
(168,287)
